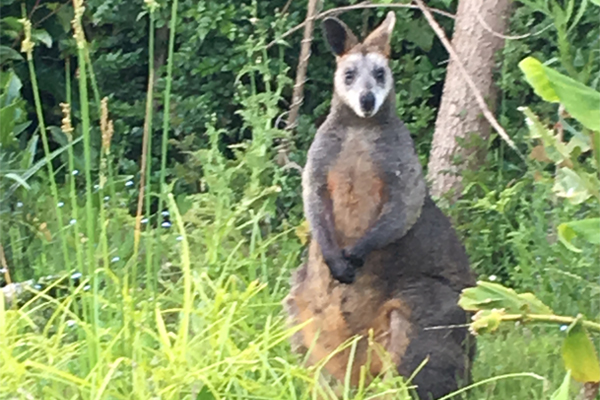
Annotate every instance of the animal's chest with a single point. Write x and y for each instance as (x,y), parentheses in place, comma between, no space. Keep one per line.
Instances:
(356,189)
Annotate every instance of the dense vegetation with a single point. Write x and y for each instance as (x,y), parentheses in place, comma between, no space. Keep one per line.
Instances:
(188,306)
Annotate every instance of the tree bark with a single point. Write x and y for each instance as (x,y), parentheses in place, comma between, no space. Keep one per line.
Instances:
(460,128)
(298,95)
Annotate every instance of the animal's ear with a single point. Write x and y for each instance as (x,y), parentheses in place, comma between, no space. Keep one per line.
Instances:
(379,39)
(338,35)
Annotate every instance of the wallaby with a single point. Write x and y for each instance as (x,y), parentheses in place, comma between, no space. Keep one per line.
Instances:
(383,257)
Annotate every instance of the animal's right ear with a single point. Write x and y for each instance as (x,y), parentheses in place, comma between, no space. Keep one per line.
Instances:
(338,35)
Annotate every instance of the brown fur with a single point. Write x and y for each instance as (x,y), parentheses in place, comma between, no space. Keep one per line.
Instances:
(335,318)
(356,190)
(339,312)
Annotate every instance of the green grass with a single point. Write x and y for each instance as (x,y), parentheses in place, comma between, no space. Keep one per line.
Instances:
(214,335)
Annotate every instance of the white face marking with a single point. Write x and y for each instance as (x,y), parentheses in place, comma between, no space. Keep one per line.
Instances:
(357,75)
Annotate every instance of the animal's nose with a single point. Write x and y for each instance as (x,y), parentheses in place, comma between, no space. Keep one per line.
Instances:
(367,102)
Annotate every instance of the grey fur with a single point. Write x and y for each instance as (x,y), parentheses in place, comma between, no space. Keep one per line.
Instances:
(393,151)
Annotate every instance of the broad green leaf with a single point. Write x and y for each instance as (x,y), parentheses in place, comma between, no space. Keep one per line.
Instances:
(538,80)
(40,35)
(8,53)
(489,296)
(596,2)
(587,229)
(562,393)
(13,23)
(579,354)
(571,185)
(578,142)
(12,88)
(582,102)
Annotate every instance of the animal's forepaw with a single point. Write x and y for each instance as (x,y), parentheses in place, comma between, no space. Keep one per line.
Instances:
(341,270)
(356,260)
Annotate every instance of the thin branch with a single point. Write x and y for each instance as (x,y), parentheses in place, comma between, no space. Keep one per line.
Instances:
(285,8)
(359,6)
(485,26)
(468,80)
(553,319)
(298,95)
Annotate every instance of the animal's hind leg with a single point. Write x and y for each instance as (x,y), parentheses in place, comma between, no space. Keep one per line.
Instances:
(445,368)
(398,335)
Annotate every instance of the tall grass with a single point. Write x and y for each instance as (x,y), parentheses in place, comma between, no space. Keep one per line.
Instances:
(27,47)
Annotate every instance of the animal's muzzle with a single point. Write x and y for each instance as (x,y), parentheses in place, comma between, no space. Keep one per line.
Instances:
(367,102)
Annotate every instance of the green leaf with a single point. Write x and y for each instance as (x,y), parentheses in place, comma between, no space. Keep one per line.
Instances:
(596,2)
(571,185)
(538,80)
(490,296)
(556,150)
(562,393)
(582,102)
(587,229)
(40,35)
(29,152)
(20,181)
(37,166)
(11,88)
(579,354)
(580,12)
(8,53)
(486,321)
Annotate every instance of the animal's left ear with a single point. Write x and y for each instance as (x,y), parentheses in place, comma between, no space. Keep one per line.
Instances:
(379,39)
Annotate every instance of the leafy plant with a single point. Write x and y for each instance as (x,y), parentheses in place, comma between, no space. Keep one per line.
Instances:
(494,304)
(577,160)
(577,180)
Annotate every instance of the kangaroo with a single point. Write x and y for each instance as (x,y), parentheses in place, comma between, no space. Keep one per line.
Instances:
(383,259)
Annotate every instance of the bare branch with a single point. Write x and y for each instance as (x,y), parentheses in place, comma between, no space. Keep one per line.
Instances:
(360,6)
(485,26)
(298,95)
(285,8)
(468,80)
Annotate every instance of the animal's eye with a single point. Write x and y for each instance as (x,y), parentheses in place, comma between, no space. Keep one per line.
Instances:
(349,76)
(379,74)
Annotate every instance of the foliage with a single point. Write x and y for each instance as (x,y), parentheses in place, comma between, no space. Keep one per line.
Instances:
(577,180)
(578,160)
(495,304)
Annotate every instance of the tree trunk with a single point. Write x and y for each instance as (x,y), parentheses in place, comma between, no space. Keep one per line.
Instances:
(460,129)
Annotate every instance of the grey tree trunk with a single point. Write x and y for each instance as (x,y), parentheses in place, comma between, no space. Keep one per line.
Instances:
(460,129)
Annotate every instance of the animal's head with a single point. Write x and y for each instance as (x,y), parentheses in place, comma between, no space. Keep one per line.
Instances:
(363,78)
